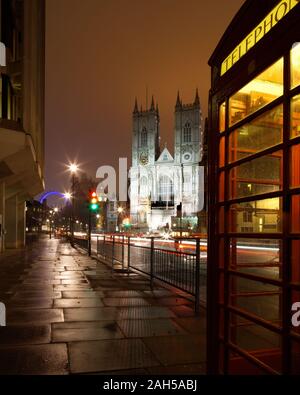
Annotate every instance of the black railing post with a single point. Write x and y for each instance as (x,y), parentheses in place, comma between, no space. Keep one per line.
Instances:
(113,253)
(90,234)
(104,249)
(128,255)
(123,246)
(152,262)
(197,279)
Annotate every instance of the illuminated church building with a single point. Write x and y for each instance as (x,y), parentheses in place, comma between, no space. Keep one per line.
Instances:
(161,182)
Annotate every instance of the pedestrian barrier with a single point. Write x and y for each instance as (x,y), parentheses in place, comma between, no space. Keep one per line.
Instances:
(176,268)
(83,243)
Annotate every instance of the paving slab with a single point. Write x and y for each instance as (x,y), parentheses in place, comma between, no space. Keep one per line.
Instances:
(109,355)
(123,294)
(30,303)
(70,303)
(19,335)
(34,316)
(192,324)
(119,302)
(89,293)
(183,311)
(69,287)
(182,349)
(91,314)
(50,359)
(144,312)
(37,294)
(86,332)
(74,282)
(150,328)
(111,325)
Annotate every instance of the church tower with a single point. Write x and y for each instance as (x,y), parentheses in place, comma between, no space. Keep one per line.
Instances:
(145,152)
(188,149)
(188,131)
(145,143)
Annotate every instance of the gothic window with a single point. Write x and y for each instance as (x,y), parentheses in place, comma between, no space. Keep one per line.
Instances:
(144,187)
(187,133)
(165,189)
(248,214)
(187,184)
(144,138)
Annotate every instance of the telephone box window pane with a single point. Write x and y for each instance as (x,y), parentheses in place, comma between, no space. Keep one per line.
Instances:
(261,91)
(222,186)
(260,342)
(261,175)
(222,152)
(264,132)
(296,357)
(295,116)
(256,256)
(295,166)
(295,65)
(295,261)
(222,117)
(295,215)
(257,298)
(266,216)
(295,320)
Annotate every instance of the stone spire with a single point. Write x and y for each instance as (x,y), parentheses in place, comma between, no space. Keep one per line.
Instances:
(178,101)
(197,99)
(136,109)
(152,108)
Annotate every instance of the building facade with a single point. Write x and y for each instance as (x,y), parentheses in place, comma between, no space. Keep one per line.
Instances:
(254,193)
(163,184)
(22,68)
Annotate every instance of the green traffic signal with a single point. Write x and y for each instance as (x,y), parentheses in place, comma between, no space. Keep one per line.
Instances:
(94,206)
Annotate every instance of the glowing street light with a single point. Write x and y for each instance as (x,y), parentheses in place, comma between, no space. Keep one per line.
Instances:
(73,168)
(67,196)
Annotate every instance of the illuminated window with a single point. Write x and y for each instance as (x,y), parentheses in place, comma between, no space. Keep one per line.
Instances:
(187,133)
(222,117)
(144,187)
(295,166)
(295,65)
(187,185)
(266,216)
(261,91)
(258,135)
(295,116)
(261,175)
(248,215)
(165,189)
(144,138)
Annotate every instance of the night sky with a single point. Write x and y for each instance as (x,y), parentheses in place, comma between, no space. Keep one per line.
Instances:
(100,54)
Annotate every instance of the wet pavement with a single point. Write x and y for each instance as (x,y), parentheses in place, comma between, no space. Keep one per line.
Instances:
(69,314)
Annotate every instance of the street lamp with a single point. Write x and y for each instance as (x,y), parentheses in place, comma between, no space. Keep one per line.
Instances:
(67,196)
(73,168)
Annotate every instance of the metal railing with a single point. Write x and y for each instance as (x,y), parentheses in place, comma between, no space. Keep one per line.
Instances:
(176,268)
(81,242)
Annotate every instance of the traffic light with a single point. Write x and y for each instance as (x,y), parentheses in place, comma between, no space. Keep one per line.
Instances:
(93,201)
